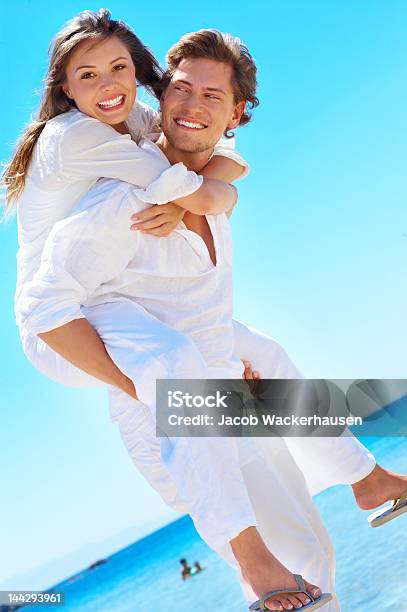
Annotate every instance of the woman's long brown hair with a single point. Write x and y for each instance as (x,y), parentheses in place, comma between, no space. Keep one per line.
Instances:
(88,25)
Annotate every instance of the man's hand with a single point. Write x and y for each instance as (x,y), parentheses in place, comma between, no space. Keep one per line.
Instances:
(248,373)
(251,378)
(159,220)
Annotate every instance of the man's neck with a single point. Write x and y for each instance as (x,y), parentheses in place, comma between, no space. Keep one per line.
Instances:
(193,161)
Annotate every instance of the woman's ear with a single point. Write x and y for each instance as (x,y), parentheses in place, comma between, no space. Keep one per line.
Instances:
(66,91)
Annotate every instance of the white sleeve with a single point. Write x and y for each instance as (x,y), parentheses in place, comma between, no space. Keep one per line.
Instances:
(90,149)
(88,248)
(226,147)
(143,120)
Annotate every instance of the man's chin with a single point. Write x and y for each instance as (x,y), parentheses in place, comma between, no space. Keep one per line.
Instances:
(187,145)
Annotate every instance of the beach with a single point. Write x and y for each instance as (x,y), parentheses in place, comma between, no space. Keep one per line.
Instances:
(371,566)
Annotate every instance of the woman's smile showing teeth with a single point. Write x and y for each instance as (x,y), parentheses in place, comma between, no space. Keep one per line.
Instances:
(190,124)
(111,103)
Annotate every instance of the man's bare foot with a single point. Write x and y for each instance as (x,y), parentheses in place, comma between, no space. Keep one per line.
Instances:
(379,487)
(265,573)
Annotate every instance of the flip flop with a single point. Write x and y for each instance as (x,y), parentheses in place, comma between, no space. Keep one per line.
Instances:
(397,508)
(315,602)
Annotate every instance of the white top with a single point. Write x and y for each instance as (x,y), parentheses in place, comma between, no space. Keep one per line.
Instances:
(71,154)
(173,278)
(153,272)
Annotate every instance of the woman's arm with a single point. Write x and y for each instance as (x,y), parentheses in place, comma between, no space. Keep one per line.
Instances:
(223,169)
(212,198)
(226,166)
(80,344)
(161,220)
(89,149)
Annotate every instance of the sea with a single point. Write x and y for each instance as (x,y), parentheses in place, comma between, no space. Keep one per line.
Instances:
(145,576)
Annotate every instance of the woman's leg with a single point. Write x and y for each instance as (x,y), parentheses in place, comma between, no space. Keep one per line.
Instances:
(324,461)
(54,366)
(143,345)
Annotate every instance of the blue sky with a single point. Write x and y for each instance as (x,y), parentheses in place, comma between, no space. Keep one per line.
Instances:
(320,241)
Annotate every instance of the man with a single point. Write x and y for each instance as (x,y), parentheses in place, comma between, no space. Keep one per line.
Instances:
(185,569)
(261,504)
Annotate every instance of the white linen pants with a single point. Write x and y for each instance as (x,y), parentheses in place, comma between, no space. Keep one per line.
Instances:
(148,349)
(284,512)
(288,521)
(206,476)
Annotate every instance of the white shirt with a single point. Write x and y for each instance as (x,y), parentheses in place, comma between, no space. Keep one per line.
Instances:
(71,154)
(173,278)
(91,258)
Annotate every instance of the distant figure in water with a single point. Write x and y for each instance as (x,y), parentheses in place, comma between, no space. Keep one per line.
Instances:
(185,569)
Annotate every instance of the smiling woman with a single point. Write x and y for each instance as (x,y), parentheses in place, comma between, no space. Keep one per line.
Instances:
(78,43)
(89,126)
(102,87)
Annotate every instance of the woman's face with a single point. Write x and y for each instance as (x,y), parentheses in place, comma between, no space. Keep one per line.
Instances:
(101,79)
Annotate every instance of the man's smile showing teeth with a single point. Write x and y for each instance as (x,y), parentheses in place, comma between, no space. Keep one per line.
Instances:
(190,124)
(112,103)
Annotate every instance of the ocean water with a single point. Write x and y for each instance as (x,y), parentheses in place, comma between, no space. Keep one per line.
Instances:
(371,563)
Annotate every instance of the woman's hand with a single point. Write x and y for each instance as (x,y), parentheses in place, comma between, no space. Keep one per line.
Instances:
(159,220)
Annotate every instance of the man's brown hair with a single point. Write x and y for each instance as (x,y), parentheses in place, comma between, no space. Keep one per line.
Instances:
(212,44)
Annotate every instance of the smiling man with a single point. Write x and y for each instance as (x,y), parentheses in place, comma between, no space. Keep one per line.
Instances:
(163,308)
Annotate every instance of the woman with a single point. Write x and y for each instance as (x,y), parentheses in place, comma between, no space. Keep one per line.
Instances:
(81,135)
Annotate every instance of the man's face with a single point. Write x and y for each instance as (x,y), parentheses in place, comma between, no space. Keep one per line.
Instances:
(198,105)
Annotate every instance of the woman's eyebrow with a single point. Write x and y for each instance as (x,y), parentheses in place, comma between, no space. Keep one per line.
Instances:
(117,58)
(112,62)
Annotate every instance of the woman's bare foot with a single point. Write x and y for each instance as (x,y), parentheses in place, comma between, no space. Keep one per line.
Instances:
(379,487)
(265,573)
